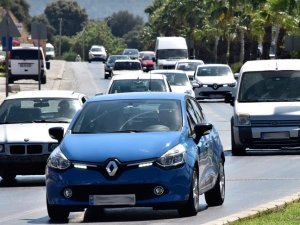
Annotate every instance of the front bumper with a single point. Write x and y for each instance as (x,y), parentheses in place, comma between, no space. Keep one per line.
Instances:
(267,137)
(138,181)
(213,91)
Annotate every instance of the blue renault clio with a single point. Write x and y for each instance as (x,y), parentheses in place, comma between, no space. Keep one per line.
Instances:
(136,150)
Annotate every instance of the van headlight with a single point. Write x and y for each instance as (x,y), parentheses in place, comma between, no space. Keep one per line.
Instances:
(244,120)
(172,158)
(232,84)
(57,160)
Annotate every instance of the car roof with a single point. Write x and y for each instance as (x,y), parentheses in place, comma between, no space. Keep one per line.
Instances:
(214,65)
(128,60)
(271,64)
(138,76)
(167,71)
(45,94)
(190,60)
(139,95)
(25,48)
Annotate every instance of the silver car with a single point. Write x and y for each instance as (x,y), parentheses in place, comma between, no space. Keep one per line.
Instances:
(25,119)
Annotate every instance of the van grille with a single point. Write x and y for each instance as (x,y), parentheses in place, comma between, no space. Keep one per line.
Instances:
(275,123)
(26,149)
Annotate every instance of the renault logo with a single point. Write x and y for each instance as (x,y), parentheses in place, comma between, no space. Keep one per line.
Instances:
(215,86)
(111,168)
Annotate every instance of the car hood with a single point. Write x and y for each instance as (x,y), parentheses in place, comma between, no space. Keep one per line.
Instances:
(270,110)
(180,89)
(124,72)
(123,146)
(215,79)
(32,132)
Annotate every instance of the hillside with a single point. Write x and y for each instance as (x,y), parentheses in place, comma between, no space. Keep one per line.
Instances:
(98,9)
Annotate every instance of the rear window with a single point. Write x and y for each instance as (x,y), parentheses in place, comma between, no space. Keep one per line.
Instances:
(134,85)
(24,54)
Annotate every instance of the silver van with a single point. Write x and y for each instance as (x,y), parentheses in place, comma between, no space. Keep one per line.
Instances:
(266,111)
(24,64)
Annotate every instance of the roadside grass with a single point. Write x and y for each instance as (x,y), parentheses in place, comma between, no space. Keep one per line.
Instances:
(287,215)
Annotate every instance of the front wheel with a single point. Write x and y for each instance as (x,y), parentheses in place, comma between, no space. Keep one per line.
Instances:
(192,206)
(216,195)
(237,150)
(57,213)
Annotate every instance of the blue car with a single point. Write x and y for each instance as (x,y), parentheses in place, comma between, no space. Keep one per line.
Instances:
(136,150)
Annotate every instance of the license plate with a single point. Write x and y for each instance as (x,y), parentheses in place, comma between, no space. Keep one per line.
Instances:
(275,135)
(128,199)
(25,65)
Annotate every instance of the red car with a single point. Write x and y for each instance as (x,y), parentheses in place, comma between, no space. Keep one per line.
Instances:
(147,61)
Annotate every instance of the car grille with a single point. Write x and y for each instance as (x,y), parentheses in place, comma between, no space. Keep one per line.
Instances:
(141,191)
(25,149)
(275,123)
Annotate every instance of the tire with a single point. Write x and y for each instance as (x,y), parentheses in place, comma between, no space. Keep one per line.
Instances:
(10,80)
(237,150)
(192,206)
(106,76)
(43,80)
(216,195)
(57,213)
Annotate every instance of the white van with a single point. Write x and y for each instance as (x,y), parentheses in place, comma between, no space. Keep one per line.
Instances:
(168,50)
(50,52)
(266,111)
(23,64)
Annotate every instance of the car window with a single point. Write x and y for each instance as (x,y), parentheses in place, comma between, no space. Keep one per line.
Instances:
(24,54)
(188,66)
(127,66)
(213,71)
(134,85)
(270,86)
(38,110)
(136,115)
(177,79)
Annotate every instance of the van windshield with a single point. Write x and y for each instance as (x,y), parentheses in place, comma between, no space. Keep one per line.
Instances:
(25,54)
(270,86)
(172,54)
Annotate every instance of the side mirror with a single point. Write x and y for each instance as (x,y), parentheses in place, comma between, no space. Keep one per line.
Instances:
(202,129)
(47,65)
(236,75)
(154,59)
(229,98)
(195,85)
(56,133)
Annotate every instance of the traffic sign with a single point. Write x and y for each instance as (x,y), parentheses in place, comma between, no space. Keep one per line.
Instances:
(38,31)
(4,44)
(8,27)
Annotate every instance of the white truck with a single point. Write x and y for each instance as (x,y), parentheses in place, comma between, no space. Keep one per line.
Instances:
(168,50)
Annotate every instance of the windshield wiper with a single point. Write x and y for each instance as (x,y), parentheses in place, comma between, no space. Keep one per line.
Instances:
(51,121)
(127,131)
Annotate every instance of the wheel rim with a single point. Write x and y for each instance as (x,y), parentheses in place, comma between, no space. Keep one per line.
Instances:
(195,190)
(222,180)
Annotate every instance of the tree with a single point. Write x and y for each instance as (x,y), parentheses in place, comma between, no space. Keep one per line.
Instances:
(72,17)
(122,22)
(19,8)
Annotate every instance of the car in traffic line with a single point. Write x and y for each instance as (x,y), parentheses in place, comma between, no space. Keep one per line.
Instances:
(140,149)
(189,66)
(25,118)
(133,53)
(110,63)
(266,108)
(97,52)
(138,83)
(127,66)
(178,81)
(215,81)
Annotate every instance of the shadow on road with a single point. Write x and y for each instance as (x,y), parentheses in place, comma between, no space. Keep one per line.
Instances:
(271,152)
(23,181)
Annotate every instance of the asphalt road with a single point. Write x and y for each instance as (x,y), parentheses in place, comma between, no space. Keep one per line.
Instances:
(252,180)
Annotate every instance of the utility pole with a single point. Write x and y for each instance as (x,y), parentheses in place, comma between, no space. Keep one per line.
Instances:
(60,29)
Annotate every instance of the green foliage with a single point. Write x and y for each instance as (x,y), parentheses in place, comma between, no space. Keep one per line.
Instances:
(69,56)
(70,14)
(20,9)
(236,67)
(123,22)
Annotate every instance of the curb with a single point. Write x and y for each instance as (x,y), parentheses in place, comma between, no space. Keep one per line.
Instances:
(259,210)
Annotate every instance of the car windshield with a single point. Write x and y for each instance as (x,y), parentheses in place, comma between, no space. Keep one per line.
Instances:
(188,66)
(148,57)
(177,79)
(268,86)
(127,66)
(172,54)
(131,52)
(96,49)
(138,115)
(134,85)
(213,71)
(112,59)
(38,110)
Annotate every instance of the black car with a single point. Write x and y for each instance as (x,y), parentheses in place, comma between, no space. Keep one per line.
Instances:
(110,63)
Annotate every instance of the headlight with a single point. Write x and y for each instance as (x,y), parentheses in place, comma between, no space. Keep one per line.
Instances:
(189,92)
(173,157)
(58,160)
(244,120)
(232,84)
(2,149)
